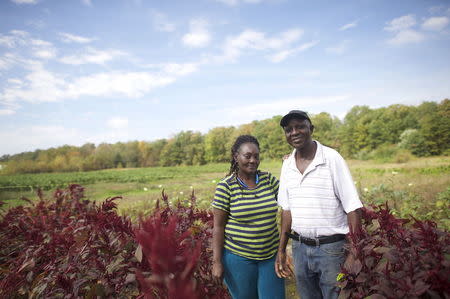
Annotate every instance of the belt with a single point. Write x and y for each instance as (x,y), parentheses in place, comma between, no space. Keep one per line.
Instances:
(316,241)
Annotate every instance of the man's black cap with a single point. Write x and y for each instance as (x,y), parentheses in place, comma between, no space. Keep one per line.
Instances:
(294,114)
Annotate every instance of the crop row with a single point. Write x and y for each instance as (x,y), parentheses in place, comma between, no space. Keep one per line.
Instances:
(136,175)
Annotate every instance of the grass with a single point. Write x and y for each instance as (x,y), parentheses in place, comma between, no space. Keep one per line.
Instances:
(141,187)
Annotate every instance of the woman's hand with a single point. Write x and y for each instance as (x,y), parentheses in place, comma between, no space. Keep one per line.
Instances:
(283,265)
(217,272)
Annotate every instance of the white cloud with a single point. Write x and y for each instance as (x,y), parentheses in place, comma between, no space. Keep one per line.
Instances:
(199,36)
(92,56)
(131,84)
(39,137)
(40,48)
(236,2)
(5,62)
(282,55)
(402,28)
(7,112)
(401,23)
(406,37)
(348,26)
(45,54)
(25,1)
(44,86)
(118,122)
(72,38)
(278,106)
(87,2)
(179,69)
(15,39)
(254,40)
(435,23)
(161,23)
(339,49)
(43,49)
(39,86)
(15,81)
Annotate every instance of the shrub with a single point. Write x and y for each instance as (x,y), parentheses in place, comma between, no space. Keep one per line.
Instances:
(177,260)
(67,247)
(413,140)
(397,259)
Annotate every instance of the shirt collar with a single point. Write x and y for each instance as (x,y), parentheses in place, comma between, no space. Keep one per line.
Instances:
(317,160)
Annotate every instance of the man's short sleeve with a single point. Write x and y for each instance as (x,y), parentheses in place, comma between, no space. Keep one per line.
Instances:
(344,185)
(283,198)
(222,197)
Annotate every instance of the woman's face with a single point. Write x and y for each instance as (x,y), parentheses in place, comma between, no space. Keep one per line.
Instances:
(247,158)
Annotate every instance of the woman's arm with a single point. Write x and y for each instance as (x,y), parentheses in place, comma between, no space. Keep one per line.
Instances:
(220,220)
(282,268)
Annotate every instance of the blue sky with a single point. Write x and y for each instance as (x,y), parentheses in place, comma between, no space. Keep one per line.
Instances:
(77,71)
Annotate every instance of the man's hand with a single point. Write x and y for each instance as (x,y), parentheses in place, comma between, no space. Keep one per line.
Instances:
(283,265)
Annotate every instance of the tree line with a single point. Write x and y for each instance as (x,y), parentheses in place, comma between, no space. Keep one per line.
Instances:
(396,131)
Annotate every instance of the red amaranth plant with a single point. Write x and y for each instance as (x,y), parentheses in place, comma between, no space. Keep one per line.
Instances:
(396,259)
(177,261)
(68,247)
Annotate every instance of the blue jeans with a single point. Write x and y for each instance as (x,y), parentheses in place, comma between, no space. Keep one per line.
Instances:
(251,279)
(316,269)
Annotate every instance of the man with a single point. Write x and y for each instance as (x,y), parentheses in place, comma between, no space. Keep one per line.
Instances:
(319,204)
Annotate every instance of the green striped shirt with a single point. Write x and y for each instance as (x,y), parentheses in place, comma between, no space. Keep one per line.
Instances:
(251,230)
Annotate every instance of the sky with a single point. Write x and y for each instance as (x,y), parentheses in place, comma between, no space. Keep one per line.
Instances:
(78,71)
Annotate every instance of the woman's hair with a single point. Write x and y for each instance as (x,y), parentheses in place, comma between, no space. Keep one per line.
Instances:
(235,148)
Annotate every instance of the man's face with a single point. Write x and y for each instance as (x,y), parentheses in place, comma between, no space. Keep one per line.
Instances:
(298,132)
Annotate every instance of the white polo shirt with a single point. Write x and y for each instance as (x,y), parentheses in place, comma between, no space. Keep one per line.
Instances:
(320,198)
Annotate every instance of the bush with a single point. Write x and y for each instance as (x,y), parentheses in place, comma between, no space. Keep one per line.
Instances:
(413,140)
(67,247)
(177,259)
(70,248)
(397,259)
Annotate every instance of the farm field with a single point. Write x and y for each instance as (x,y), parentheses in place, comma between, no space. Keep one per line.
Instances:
(420,188)
(416,187)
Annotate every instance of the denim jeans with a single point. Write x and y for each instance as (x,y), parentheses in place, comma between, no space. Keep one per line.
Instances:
(316,269)
(251,279)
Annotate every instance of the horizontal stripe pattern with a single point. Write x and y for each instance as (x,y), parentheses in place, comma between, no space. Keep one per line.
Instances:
(251,230)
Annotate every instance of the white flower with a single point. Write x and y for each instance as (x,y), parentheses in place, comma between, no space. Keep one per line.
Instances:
(192,187)
(214,181)
(355,182)
(181,192)
(366,190)
(394,172)
(159,186)
(410,184)
(145,189)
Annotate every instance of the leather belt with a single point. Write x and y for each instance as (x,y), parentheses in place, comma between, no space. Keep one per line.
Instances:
(316,241)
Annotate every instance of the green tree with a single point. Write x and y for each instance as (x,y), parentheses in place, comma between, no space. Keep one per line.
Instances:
(216,141)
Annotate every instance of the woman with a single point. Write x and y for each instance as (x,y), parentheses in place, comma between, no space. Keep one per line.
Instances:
(245,236)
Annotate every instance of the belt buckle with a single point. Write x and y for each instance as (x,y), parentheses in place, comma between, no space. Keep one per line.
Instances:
(317,241)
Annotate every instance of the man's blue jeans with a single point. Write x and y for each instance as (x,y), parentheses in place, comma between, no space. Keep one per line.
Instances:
(316,269)
(251,279)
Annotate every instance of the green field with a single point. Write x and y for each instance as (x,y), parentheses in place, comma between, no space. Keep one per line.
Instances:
(420,188)
(416,187)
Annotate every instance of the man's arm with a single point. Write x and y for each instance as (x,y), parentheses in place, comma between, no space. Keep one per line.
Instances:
(354,221)
(282,269)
